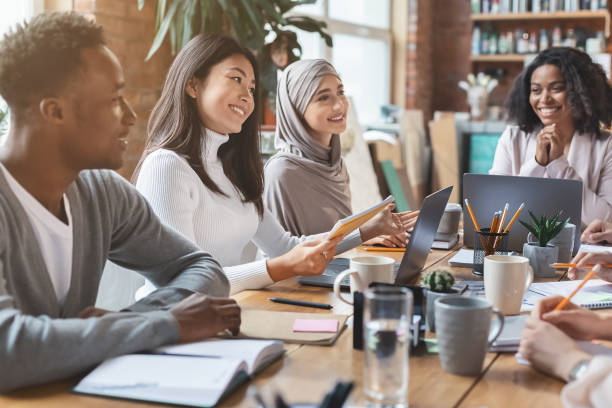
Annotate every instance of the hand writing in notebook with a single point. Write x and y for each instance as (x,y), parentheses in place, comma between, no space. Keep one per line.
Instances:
(591,258)
(200,316)
(575,321)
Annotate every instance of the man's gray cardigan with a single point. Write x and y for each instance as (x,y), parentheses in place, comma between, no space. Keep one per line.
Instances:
(41,340)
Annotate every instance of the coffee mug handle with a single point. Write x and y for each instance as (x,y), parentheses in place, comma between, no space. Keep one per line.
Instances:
(529,277)
(338,280)
(530,238)
(500,318)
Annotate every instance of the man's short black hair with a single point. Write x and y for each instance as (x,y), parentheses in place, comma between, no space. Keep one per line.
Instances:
(37,57)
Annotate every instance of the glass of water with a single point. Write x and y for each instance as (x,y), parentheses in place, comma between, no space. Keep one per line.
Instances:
(387,316)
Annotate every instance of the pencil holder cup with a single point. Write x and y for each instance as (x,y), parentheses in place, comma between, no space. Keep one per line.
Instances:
(488,243)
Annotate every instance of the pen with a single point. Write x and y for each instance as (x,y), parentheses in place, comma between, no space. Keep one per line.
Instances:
(566,300)
(383,249)
(300,303)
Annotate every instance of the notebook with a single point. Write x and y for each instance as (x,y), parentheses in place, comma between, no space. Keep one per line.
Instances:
(348,224)
(464,258)
(510,337)
(282,329)
(596,293)
(195,374)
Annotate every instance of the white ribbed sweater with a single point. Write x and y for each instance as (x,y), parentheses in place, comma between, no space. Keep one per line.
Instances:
(220,225)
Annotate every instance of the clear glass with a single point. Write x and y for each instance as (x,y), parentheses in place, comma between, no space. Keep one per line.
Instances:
(362,12)
(363,65)
(387,316)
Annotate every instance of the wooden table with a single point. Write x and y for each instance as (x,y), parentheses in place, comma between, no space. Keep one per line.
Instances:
(306,373)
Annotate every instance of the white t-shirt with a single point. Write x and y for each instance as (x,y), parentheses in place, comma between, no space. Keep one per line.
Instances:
(54,237)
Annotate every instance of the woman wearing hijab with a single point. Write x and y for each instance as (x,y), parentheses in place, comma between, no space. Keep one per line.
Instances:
(307,183)
(201,170)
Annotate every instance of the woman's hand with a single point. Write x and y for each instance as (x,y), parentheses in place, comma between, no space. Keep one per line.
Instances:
(308,258)
(388,223)
(598,232)
(575,321)
(548,349)
(550,145)
(390,241)
(592,258)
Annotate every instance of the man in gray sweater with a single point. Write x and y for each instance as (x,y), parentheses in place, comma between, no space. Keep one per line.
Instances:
(61,219)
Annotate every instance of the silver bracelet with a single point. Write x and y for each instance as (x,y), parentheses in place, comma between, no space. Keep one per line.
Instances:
(579,369)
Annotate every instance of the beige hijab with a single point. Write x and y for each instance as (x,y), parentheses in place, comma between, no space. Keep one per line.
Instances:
(307,185)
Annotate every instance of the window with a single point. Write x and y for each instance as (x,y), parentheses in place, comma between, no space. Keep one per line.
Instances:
(361,52)
(13,12)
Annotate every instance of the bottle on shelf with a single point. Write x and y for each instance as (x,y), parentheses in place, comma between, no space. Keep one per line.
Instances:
(570,38)
(476,41)
(556,37)
(532,46)
(543,40)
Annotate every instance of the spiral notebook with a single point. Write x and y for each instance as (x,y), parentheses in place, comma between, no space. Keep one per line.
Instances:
(596,293)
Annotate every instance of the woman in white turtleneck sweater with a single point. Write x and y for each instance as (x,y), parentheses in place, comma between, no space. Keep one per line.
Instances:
(202,172)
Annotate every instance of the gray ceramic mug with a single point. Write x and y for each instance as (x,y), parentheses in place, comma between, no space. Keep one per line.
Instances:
(463,326)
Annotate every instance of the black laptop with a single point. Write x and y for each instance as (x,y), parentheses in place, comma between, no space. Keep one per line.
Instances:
(416,252)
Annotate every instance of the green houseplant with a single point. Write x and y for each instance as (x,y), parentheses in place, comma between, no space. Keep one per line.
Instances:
(541,253)
(261,25)
(4,113)
(439,283)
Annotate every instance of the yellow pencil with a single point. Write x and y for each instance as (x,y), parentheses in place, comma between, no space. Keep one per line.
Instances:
(467,204)
(514,218)
(383,249)
(566,300)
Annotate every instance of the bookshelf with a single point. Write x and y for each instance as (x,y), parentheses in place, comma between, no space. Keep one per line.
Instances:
(543,16)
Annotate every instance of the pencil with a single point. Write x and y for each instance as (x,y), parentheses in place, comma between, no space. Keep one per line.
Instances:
(566,300)
(494,227)
(571,265)
(516,214)
(467,204)
(383,249)
(501,226)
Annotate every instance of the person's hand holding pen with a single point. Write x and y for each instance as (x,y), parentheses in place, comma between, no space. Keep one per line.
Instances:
(575,321)
(582,259)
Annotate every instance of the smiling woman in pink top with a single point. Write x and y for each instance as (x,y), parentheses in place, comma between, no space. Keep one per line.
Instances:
(561,103)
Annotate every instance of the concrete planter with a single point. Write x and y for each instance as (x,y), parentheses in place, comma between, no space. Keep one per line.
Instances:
(540,259)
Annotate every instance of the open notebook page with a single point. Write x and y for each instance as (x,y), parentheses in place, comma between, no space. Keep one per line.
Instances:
(253,352)
(194,381)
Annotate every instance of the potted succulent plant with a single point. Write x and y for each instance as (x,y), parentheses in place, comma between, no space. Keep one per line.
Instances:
(541,254)
(439,283)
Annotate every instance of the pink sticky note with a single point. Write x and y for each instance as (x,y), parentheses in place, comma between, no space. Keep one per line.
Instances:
(315,325)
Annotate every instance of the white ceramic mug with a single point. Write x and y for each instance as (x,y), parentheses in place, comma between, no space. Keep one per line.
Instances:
(506,278)
(364,270)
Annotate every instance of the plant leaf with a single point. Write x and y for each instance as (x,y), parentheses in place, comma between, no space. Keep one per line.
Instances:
(237,26)
(163,29)
(270,9)
(256,22)
(529,228)
(188,17)
(161,12)
(141,4)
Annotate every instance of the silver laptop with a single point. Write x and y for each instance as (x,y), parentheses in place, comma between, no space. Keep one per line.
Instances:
(542,196)
(418,248)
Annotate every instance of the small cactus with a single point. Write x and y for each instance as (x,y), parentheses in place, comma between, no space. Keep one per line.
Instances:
(439,281)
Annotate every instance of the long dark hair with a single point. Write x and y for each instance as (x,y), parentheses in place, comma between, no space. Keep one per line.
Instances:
(589,94)
(175,123)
